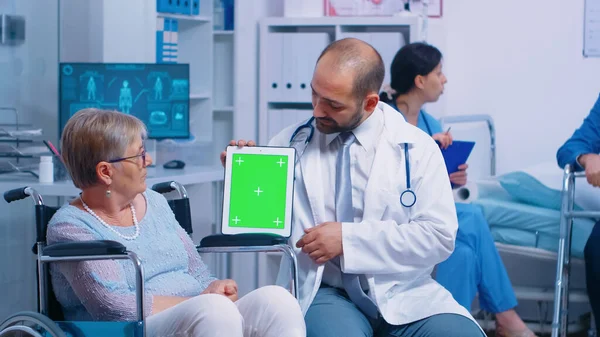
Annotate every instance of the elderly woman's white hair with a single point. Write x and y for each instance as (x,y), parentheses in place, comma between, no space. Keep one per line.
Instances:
(94,135)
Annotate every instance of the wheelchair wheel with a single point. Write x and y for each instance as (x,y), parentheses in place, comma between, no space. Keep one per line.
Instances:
(29,323)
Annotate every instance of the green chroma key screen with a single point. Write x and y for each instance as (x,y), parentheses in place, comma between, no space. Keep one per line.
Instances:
(258,191)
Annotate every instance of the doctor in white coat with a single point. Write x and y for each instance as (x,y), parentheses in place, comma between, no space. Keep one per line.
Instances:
(364,258)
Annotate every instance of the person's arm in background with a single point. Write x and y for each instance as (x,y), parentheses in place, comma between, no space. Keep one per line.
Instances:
(582,149)
(585,140)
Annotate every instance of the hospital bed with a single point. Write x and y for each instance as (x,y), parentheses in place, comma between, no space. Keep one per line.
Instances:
(525,221)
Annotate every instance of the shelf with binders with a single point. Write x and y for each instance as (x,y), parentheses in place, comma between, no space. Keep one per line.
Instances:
(223,15)
(192,19)
(224,54)
(208,49)
(290,64)
(189,10)
(288,57)
(223,76)
(188,37)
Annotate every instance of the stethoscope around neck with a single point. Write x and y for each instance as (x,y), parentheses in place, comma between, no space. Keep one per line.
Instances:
(304,134)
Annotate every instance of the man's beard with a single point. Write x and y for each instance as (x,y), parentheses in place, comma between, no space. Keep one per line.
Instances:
(334,127)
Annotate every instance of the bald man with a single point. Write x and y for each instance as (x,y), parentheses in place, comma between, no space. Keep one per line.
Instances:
(368,233)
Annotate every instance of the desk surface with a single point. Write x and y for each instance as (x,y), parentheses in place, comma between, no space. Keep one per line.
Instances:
(190,175)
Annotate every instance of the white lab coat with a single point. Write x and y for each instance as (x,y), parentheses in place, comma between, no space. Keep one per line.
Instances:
(394,246)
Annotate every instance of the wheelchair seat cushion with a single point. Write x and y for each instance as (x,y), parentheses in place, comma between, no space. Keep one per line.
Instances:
(242,240)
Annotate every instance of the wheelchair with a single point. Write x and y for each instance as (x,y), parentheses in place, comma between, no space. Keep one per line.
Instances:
(49,318)
(561,291)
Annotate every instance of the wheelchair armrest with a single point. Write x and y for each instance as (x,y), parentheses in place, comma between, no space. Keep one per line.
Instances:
(85,248)
(242,240)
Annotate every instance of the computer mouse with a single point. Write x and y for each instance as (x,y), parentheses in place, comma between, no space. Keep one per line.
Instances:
(174,164)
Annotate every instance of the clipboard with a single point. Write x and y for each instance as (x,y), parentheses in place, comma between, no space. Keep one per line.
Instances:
(457,154)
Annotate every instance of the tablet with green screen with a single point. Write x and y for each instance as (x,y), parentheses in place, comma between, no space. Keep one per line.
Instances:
(258,190)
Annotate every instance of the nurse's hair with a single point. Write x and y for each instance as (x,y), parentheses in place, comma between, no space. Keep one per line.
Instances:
(360,57)
(412,60)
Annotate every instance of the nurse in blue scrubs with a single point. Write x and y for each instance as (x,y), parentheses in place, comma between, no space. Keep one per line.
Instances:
(475,265)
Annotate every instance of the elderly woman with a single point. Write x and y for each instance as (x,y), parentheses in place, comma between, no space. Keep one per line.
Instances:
(105,156)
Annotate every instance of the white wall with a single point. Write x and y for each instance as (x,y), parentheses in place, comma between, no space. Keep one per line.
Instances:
(520,62)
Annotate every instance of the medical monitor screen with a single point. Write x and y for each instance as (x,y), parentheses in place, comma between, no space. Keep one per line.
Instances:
(157,94)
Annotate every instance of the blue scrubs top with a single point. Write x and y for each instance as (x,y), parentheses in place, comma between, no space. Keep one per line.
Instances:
(425,122)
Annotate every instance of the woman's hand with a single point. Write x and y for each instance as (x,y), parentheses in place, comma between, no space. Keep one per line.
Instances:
(227,288)
(239,143)
(459,178)
(444,138)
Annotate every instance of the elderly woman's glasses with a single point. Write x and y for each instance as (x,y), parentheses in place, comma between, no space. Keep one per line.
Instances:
(143,155)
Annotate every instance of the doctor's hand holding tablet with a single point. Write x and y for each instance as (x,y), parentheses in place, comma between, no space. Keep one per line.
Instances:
(240,143)
(322,242)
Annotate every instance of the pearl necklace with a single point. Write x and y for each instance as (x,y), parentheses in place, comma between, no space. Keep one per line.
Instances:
(135,221)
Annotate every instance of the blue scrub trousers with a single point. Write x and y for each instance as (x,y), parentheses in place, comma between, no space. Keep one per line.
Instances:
(332,314)
(475,265)
(591,254)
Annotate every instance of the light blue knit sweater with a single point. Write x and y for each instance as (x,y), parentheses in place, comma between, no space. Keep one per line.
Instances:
(105,290)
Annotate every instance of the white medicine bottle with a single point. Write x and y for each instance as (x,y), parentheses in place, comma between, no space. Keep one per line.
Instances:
(46,169)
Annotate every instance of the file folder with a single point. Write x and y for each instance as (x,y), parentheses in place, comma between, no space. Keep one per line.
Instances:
(274,71)
(457,154)
(166,6)
(166,55)
(160,29)
(174,41)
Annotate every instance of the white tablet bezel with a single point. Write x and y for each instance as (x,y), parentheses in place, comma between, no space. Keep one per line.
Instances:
(288,152)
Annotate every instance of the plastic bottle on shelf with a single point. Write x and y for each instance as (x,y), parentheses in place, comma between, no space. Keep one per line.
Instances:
(46,171)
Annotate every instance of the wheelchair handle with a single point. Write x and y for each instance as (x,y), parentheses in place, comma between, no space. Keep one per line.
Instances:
(22,193)
(170,186)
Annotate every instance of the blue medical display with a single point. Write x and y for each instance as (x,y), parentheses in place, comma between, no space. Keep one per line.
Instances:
(158,94)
